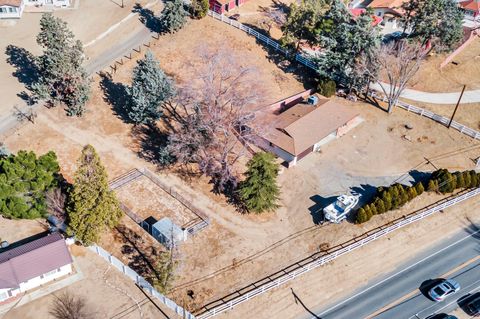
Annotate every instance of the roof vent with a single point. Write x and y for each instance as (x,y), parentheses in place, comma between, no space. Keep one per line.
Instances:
(312,100)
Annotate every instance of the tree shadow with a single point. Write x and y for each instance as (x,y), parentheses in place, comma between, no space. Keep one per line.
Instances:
(316,210)
(153,144)
(115,94)
(148,18)
(429,284)
(299,301)
(26,72)
(366,192)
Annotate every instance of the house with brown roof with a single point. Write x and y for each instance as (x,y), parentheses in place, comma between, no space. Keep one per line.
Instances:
(471,8)
(300,125)
(222,6)
(11,9)
(390,11)
(33,264)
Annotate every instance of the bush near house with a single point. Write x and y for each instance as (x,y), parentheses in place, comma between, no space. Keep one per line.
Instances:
(327,87)
(397,195)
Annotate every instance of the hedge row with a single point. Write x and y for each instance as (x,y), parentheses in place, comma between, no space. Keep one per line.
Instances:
(397,195)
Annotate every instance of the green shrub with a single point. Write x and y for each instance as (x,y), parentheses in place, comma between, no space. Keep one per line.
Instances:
(460,179)
(412,193)
(327,87)
(419,188)
(467,179)
(432,186)
(474,179)
(380,206)
(361,216)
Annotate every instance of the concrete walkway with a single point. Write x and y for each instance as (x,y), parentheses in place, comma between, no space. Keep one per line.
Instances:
(435,98)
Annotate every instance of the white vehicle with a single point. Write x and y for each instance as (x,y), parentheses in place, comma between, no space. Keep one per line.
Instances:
(336,212)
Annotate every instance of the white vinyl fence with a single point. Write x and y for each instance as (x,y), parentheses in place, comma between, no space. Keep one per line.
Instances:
(140,281)
(436,117)
(227,305)
(303,59)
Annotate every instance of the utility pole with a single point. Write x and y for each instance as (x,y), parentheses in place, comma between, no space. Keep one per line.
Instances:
(456,107)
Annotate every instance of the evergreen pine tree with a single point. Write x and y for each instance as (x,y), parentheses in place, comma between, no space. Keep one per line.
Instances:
(93,207)
(473,179)
(150,88)
(387,200)
(380,206)
(419,188)
(432,186)
(259,191)
(368,212)
(62,78)
(173,16)
(24,181)
(467,179)
(460,179)
(199,8)
(412,192)
(361,216)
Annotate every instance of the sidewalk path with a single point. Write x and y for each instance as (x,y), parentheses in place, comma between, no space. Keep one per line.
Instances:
(435,98)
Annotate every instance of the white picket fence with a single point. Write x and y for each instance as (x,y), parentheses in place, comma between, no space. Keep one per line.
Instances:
(140,281)
(227,305)
(436,117)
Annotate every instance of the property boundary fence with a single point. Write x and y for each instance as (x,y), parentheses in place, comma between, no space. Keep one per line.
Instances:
(436,117)
(270,282)
(140,281)
(192,227)
(301,58)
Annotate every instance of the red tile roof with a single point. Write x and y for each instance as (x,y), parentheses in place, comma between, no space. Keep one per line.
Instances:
(33,259)
(357,12)
(473,5)
(12,3)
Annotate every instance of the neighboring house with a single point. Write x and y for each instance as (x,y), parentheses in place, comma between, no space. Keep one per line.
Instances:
(356,12)
(297,127)
(11,9)
(168,233)
(33,264)
(471,8)
(222,6)
(54,3)
(390,11)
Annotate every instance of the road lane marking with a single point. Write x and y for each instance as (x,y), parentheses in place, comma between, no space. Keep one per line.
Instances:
(396,274)
(414,292)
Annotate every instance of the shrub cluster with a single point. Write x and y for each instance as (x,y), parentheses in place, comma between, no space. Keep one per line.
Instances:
(327,87)
(395,196)
(389,198)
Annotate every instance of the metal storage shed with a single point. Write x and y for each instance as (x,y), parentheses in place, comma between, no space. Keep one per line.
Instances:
(165,231)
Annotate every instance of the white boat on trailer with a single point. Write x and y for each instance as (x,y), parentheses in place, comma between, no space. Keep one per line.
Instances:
(338,211)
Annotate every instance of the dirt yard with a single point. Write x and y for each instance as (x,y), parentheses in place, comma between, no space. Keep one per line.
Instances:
(99,15)
(107,294)
(452,77)
(238,249)
(147,199)
(467,114)
(15,230)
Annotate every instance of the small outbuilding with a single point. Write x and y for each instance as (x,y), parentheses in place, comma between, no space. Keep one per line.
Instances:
(168,233)
(222,6)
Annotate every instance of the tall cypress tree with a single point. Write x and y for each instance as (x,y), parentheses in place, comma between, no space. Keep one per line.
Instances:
(150,88)
(62,78)
(93,207)
(259,191)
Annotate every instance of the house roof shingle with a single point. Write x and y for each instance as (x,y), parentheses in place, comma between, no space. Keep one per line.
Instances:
(12,3)
(33,259)
(302,126)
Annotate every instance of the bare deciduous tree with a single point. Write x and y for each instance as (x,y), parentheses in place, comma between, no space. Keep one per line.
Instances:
(68,306)
(398,63)
(215,116)
(56,203)
(274,16)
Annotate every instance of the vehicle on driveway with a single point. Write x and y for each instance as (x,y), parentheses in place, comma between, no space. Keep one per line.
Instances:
(337,211)
(444,289)
(441,316)
(473,306)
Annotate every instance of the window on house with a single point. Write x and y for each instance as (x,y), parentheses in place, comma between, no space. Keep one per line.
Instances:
(3,10)
(50,273)
(3,295)
(12,10)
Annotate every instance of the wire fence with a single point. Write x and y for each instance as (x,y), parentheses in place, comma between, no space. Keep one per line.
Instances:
(140,281)
(431,115)
(268,283)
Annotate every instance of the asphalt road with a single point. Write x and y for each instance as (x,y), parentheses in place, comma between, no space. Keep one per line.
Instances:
(397,294)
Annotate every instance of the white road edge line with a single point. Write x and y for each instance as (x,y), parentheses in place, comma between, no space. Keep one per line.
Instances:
(396,274)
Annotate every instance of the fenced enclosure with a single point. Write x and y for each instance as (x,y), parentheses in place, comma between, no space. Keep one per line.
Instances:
(436,117)
(140,281)
(193,226)
(275,280)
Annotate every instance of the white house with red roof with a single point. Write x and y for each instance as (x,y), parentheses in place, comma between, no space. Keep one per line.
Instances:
(471,8)
(33,264)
